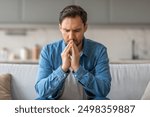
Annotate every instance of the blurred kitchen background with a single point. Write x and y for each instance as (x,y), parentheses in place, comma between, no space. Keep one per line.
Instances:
(123,26)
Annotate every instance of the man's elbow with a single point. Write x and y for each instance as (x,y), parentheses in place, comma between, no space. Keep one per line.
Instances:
(39,90)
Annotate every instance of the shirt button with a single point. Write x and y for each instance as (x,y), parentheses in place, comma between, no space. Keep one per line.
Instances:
(64,75)
(75,75)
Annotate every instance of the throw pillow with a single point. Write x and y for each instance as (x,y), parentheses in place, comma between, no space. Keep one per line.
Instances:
(5,86)
(146,95)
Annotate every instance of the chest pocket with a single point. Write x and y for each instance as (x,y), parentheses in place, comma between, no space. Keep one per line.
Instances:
(88,64)
(56,62)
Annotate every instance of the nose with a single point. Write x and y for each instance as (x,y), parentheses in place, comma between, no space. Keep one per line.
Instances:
(71,35)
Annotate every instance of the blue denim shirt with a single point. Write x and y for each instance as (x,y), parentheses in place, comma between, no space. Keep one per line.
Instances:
(93,73)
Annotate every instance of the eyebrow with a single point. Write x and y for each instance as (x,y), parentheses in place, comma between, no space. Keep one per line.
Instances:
(73,29)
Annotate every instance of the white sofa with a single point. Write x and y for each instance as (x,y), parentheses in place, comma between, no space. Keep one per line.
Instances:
(128,80)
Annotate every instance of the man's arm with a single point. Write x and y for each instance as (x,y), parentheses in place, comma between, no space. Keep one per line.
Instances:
(98,81)
(49,83)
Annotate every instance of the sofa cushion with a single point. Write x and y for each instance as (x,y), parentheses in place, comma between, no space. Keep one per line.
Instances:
(5,86)
(146,95)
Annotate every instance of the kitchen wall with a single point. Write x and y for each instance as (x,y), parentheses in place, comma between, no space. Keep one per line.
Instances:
(117,38)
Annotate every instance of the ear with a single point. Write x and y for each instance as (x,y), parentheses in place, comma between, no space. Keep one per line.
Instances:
(85,27)
(60,28)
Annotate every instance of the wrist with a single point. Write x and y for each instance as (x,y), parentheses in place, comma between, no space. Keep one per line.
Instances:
(64,69)
(76,68)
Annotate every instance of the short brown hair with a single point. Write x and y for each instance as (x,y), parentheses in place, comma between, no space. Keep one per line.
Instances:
(73,11)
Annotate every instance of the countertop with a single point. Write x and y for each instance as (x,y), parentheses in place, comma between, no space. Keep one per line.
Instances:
(130,61)
(19,61)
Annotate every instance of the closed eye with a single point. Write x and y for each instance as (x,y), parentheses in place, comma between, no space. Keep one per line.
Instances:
(78,30)
(67,30)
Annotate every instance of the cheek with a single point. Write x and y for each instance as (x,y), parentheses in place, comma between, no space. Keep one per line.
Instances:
(65,37)
(64,34)
(79,37)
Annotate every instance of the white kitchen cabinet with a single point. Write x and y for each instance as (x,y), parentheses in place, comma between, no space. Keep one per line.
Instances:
(130,11)
(98,10)
(43,11)
(10,11)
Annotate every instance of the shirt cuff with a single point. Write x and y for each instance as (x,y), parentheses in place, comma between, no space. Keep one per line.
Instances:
(79,73)
(60,73)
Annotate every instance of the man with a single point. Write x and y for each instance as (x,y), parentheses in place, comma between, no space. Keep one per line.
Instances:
(74,67)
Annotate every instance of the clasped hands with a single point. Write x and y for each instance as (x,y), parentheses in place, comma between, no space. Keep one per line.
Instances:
(70,57)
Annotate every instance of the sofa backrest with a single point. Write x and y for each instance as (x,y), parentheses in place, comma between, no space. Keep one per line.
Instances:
(23,80)
(128,80)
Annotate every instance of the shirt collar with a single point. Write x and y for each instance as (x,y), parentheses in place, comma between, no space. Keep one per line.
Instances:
(85,47)
(63,45)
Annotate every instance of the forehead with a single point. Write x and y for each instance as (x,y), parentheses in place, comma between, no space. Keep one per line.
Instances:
(72,22)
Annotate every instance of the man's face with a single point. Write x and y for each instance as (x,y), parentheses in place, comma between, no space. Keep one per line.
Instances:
(73,29)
